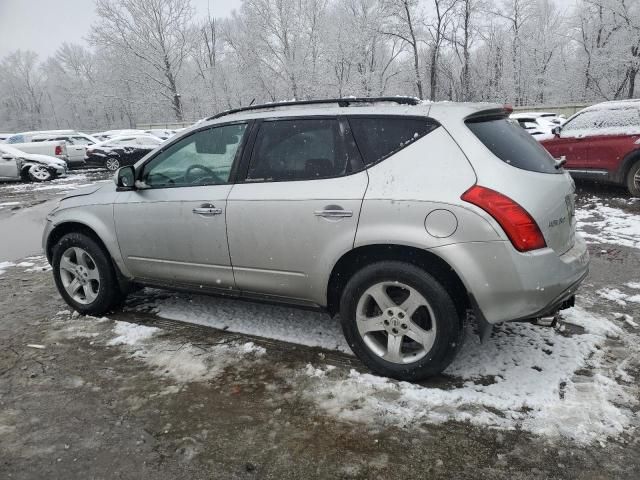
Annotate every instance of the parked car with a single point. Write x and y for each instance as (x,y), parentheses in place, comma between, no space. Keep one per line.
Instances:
(161,133)
(602,142)
(538,124)
(119,151)
(18,165)
(57,149)
(399,215)
(26,137)
(102,136)
(77,143)
(4,137)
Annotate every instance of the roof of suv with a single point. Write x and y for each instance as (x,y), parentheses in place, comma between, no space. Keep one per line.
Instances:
(615,104)
(355,106)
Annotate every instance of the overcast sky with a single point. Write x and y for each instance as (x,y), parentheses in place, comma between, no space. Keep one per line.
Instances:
(43,25)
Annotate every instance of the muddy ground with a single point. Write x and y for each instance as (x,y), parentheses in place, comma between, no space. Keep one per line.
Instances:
(75,402)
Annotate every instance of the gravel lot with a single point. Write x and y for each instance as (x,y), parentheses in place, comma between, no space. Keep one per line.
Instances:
(187,386)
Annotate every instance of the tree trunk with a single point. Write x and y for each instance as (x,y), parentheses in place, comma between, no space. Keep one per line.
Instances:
(416,59)
(433,77)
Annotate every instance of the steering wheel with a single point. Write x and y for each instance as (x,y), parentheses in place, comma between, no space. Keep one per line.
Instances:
(207,170)
(163,176)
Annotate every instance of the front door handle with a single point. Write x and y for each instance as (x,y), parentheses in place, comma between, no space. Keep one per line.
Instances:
(207,210)
(333,213)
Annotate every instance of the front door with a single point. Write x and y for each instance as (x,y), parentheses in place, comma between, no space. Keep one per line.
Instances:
(172,229)
(298,209)
(8,166)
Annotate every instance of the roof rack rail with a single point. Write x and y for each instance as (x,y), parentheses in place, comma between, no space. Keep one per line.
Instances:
(342,102)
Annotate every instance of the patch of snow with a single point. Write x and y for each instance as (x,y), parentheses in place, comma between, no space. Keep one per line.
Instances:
(603,224)
(5,265)
(131,333)
(186,363)
(523,377)
(634,285)
(280,323)
(614,295)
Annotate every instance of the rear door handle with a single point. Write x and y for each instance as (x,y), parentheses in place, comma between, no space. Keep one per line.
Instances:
(207,210)
(333,213)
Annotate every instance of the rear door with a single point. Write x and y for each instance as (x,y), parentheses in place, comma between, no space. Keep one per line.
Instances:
(8,165)
(613,138)
(297,210)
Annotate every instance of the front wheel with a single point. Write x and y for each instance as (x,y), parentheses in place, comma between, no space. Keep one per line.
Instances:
(633,179)
(39,173)
(84,275)
(400,321)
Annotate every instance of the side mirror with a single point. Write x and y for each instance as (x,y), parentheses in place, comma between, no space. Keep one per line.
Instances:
(125,178)
(7,156)
(556,130)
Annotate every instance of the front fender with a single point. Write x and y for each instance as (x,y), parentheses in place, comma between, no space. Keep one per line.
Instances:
(98,218)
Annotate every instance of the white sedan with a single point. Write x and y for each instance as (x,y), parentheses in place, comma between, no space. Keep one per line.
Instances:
(18,165)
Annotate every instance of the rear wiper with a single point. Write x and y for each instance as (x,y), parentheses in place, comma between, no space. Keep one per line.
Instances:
(560,162)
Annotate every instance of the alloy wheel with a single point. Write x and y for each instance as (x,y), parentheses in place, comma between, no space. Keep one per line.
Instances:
(396,322)
(112,164)
(40,172)
(80,276)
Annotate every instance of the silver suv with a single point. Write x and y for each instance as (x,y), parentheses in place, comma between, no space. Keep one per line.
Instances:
(400,216)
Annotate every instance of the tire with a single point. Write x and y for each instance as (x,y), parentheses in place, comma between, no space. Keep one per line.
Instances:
(39,173)
(112,164)
(78,258)
(633,179)
(435,322)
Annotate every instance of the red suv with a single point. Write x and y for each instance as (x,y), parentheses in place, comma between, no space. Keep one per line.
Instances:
(602,142)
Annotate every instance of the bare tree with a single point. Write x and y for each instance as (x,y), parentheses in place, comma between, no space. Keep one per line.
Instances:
(156,32)
(402,23)
(438,27)
(23,82)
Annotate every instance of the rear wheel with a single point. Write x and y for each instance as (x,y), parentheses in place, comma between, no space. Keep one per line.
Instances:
(633,179)
(39,173)
(112,164)
(400,321)
(85,276)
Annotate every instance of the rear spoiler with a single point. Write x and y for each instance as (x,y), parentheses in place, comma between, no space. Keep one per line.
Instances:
(490,114)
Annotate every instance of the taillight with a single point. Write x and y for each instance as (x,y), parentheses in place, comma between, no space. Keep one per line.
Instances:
(58,150)
(520,227)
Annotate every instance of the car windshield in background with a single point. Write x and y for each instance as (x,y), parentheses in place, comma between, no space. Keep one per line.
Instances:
(513,145)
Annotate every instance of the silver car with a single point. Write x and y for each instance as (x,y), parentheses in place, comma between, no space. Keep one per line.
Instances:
(400,216)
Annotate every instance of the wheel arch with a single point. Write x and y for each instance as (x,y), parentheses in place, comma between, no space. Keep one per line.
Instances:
(627,163)
(64,228)
(361,256)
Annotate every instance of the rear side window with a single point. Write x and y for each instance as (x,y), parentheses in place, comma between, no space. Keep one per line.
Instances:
(513,145)
(302,149)
(379,137)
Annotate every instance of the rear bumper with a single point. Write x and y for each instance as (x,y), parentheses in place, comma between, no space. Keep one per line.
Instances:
(507,285)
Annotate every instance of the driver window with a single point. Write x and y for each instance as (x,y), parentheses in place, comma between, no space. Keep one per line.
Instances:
(203,158)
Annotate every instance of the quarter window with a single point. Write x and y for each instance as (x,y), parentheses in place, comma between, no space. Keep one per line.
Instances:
(203,158)
(379,137)
(301,149)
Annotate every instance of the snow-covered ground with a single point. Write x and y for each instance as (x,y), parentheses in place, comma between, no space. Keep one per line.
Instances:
(600,223)
(562,383)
